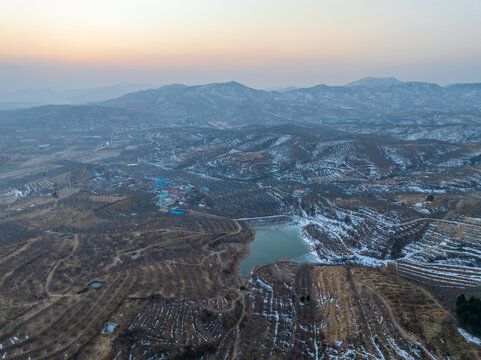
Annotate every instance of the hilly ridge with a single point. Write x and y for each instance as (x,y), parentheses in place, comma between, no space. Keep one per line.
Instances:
(238,104)
(366,103)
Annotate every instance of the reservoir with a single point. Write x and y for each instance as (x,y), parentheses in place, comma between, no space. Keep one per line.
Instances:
(275,243)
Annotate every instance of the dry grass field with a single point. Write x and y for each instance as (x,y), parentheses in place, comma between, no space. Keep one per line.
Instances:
(336,312)
(52,253)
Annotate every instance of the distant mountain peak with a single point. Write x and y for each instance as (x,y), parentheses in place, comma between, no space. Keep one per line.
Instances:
(372,82)
(230,84)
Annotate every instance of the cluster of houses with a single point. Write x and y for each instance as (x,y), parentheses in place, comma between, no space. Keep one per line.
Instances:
(169,193)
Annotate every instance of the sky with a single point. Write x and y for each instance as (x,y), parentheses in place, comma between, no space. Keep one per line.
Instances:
(61,44)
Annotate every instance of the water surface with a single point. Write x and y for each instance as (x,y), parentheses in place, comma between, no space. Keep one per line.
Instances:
(275,243)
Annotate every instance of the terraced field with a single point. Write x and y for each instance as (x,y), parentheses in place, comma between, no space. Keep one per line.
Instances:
(93,267)
(151,268)
(443,251)
(299,311)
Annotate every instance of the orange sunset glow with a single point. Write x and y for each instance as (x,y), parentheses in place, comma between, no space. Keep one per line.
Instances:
(247,37)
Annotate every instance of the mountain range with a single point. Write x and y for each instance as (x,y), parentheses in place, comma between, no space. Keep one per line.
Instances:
(237,104)
(370,100)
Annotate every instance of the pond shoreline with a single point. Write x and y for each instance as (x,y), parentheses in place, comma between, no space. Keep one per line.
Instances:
(277,242)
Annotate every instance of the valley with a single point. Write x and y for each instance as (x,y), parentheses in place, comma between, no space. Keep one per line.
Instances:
(123,239)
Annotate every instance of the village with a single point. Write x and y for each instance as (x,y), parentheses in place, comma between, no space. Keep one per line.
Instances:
(171,195)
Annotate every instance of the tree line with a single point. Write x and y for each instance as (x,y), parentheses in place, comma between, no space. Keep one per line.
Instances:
(469,313)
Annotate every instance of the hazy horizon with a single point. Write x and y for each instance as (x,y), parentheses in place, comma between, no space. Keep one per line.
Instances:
(59,45)
(145,85)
